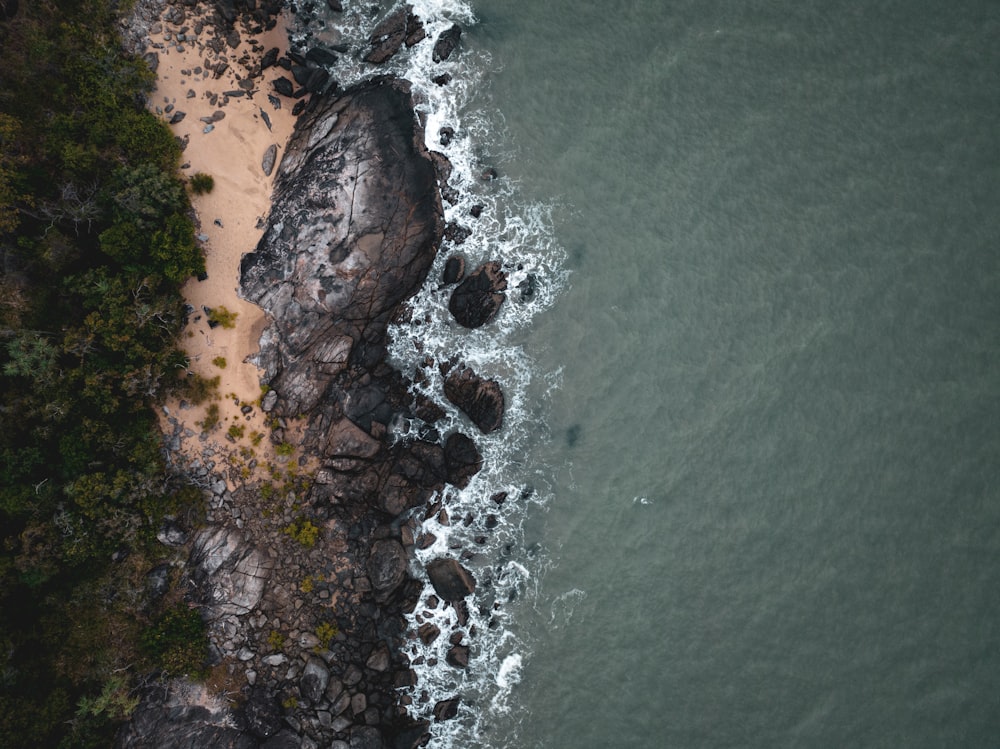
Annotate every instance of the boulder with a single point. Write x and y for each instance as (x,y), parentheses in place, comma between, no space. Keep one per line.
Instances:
(451,580)
(229,573)
(321,56)
(262,713)
(458,656)
(171,534)
(315,677)
(283,86)
(447,43)
(335,5)
(454,269)
(477,299)
(388,36)
(446,709)
(462,459)
(387,565)
(480,399)
(365,737)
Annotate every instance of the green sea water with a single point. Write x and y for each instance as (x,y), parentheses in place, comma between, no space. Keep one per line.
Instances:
(774,461)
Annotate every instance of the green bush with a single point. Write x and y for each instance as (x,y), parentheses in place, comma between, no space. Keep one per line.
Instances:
(303,532)
(202,183)
(177,642)
(222,316)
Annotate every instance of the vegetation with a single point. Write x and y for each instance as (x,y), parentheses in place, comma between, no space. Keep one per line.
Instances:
(95,240)
(236,431)
(275,640)
(222,316)
(220,362)
(202,183)
(326,632)
(303,532)
(212,418)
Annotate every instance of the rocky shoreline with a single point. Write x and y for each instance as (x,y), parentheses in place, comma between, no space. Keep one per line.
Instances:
(304,575)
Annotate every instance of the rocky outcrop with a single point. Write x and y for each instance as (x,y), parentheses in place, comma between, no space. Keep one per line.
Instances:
(450,579)
(480,399)
(353,231)
(476,301)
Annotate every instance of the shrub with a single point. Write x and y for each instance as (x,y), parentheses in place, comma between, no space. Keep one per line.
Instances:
(236,431)
(220,362)
(177,641)
(222,316)
(303,532)
(275,640)
(211,420)
(326,632)
(307,584)
(199,389)
(202,183)
(285,448)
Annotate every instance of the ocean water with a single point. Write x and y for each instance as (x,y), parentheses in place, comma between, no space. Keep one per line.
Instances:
(752,454)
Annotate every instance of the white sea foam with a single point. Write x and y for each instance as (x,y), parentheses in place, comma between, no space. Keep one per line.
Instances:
(518,234)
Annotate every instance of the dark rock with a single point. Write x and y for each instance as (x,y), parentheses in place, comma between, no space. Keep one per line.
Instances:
(442,80)
(454,269)
(413,736)
(284,740)
(446,43)
(450,579)
(476,211)
(456,233)
(262,714)
(528,287)
(8,8)
(270,155)
(152,60)
(298,108)
(388,36)
(428,632)
(387,565)
(335,5)
(326,272)
(317,81)
(445,135)
(477,299)
(270,58)
(415,31)
(178,116)
(481,400)
(446,709)
(462,459)
(365,737)
(458,656)
(321,56)
(283,86)
(301,74)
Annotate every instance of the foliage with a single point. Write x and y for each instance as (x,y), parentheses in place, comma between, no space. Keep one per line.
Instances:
(220,362)
(307,584)
(202,183)
(95,239)
(303,532)
(275,640)
(177,642)
(236,431)
(326,632)
(212,418)
(222,316)
(285,448)
(199,389)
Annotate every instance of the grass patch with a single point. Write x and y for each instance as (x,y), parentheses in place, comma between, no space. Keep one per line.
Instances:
(220,362)
(222,316)
(201,183)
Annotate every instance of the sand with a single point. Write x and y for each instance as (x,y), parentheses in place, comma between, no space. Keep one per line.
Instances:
(230,216)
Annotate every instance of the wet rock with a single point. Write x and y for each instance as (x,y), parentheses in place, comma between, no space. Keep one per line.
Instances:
(458,656)
(462,459)
(428,632)
(454,269)
(446,709)
(335,5)
(388,36)
(477,299)
(446,43)
(321,56)
(480,399)
(450,579)
(284,740)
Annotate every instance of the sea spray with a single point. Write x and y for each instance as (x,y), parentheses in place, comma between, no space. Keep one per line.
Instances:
(482,524)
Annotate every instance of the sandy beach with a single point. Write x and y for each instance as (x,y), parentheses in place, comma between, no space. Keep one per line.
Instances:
(230,149)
